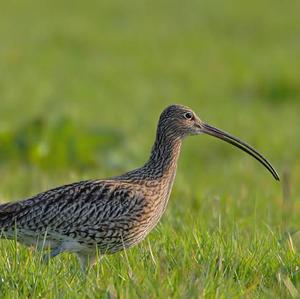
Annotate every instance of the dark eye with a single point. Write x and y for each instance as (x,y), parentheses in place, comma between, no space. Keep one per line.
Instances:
(188,115)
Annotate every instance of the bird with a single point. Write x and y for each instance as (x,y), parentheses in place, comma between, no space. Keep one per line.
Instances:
(104,216)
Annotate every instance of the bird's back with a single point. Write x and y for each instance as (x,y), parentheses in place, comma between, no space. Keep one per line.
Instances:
(109,214)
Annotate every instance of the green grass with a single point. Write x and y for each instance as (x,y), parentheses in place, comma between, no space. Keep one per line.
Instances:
(81,89)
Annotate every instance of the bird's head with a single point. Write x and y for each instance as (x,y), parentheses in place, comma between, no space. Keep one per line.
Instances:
(178,121)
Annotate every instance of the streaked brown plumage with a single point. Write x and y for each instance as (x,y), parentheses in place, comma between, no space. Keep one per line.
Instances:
(116,213)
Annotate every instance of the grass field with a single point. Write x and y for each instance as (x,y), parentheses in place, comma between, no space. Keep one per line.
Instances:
(81,87)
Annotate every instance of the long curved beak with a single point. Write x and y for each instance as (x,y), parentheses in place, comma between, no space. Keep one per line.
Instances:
(210,130)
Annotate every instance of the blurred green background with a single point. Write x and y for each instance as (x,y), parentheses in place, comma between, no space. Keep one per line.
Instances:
(82,85)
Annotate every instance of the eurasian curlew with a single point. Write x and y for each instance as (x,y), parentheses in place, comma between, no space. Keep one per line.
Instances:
(116,213)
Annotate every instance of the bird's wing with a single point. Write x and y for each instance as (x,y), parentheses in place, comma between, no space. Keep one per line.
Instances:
(72,207)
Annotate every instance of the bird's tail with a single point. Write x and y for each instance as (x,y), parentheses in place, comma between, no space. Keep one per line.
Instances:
(7,214)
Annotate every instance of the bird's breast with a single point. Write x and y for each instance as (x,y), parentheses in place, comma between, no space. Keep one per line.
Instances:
(157,202)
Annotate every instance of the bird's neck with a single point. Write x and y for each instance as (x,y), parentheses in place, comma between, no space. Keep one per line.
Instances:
(161,166)
(164,156)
